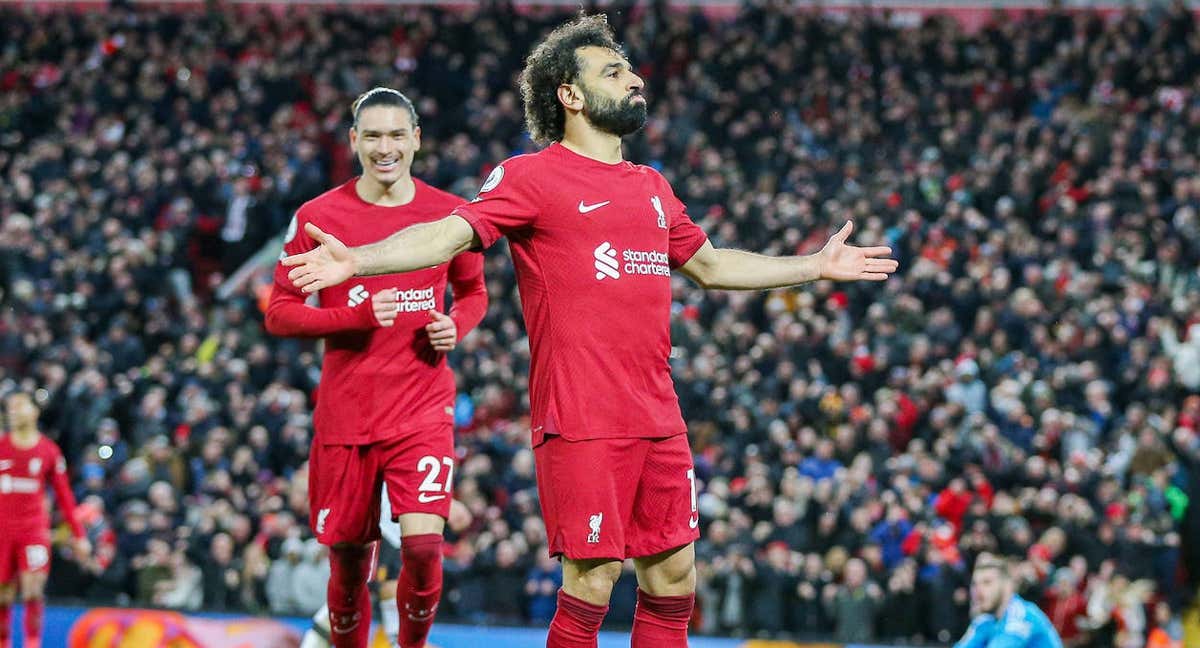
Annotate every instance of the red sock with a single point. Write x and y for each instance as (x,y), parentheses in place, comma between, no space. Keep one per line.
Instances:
(420,587)
(661,621)
(349,601)
(576,623)
(33,622)
(5,626)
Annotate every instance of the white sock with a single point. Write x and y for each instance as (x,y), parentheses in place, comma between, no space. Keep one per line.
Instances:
(389,618)
(312,638)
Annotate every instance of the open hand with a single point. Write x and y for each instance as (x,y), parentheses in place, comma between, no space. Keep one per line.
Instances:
(329,264)
(443,334)
(842,262)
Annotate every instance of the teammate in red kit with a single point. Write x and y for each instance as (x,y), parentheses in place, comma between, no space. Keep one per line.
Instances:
(594,239)
(384,412)
(29,462)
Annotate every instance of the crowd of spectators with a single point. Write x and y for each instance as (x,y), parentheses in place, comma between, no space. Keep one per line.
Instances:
(1029,382)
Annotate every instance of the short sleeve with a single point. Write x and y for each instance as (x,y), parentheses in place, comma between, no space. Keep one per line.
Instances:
(686,237)
(506,203)
(295,241)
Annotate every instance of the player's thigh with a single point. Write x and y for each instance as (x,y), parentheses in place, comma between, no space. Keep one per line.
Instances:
(665,514)
(587,489)
(419,471)
(33,584)
(670,573)
(344,484)
(412,524)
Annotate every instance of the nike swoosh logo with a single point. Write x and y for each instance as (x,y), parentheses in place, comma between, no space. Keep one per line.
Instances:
(426,498)
(694,521)
(583,209)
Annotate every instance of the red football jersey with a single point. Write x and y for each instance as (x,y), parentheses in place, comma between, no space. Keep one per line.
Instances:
(379,382)
(593,245)
(25,473)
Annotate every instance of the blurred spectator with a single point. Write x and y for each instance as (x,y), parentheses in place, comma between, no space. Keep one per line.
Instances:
(853,604)
(311,577)
(1026,384)
(221,575)
(541,588)
(282,590)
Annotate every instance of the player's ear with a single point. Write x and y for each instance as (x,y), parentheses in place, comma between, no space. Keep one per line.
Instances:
(416,139)
(353,141)
(570,96)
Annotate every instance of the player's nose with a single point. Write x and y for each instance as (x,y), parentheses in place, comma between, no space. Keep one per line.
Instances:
(635,83)
(387,144)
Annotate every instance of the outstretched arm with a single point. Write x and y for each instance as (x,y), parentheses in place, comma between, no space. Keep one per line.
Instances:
(738,270)
(420,246)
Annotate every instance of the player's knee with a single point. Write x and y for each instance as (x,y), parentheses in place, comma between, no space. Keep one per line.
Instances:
(592,581)
(421,559)
(8,594)
(350,563)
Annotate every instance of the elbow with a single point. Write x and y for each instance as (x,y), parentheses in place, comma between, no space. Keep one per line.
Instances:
(708,280)
(273,322)
(701,275)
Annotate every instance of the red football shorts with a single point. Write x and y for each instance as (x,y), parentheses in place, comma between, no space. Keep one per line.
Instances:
(344,482)
(23,552)
(617,498)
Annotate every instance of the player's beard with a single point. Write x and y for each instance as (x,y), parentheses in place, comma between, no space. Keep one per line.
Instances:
(618,117)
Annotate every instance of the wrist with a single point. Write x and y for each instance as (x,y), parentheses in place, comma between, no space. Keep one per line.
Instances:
(818,265)
(366,315)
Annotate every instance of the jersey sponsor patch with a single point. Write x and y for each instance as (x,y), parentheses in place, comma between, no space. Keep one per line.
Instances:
(357,295)
(611,265)
(415,300)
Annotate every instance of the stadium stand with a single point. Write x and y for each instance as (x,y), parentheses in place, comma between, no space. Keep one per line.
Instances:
(1028,384)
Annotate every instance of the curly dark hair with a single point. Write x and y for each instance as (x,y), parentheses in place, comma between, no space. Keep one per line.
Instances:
(555,62)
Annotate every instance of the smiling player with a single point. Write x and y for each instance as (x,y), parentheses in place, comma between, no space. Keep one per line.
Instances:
(385,409)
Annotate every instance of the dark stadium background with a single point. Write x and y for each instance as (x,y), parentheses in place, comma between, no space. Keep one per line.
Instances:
(1029,383)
